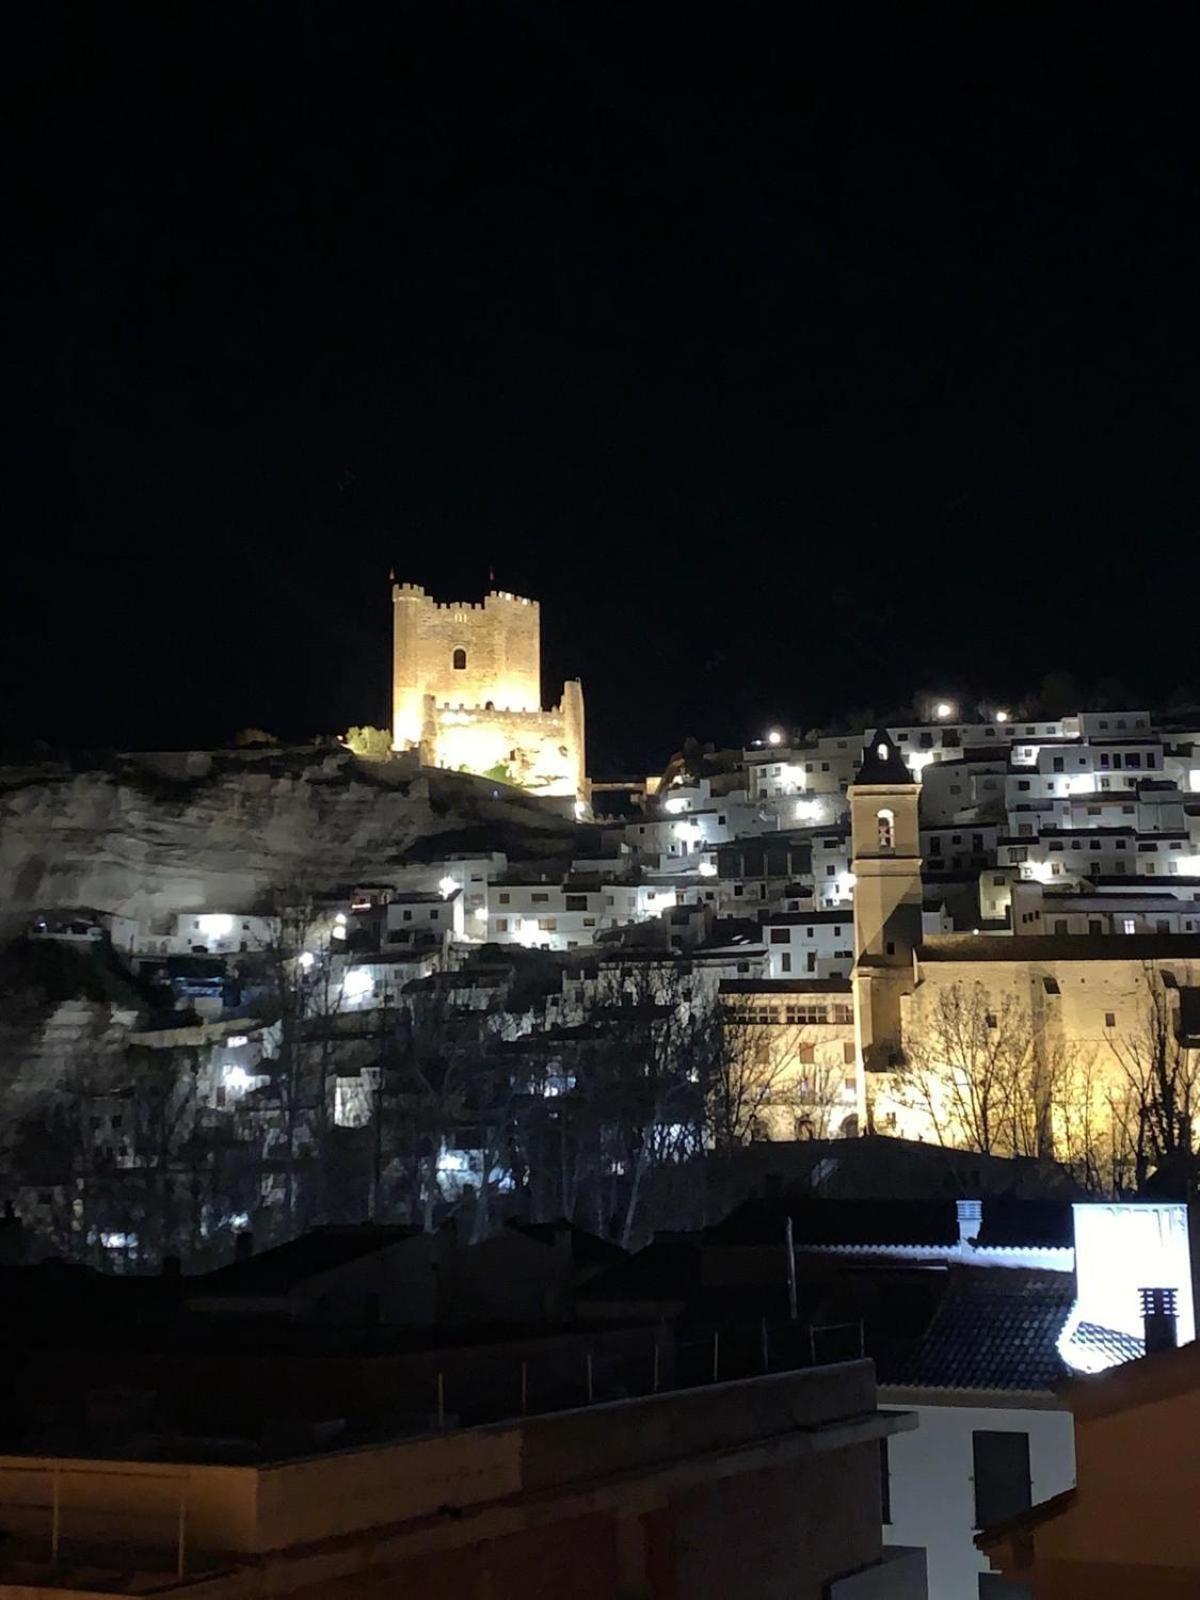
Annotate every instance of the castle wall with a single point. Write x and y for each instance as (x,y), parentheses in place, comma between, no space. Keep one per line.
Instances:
(539,750)
(500,638)
(484,715)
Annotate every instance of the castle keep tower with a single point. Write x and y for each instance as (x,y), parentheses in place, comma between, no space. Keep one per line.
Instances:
(466,691)
(886,842)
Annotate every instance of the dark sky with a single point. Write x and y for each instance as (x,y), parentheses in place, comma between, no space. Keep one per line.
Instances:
(795,357)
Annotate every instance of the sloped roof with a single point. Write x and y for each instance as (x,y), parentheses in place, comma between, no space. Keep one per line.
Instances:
(322,1250)
(831,1222)
(882,763)
(994,1329)
(587,1249)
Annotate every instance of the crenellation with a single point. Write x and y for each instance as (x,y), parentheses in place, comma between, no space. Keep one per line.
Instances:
(466,692)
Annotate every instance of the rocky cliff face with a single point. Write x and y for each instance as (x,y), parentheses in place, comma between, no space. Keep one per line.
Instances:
(149,836)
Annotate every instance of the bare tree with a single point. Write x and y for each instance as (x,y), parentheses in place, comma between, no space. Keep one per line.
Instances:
(761,1071)
(1159,1109)
(298,964)
(981,1070)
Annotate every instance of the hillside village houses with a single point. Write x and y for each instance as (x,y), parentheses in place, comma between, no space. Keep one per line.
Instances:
(884,920)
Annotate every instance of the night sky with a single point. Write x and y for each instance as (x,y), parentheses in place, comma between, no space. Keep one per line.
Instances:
(795,357)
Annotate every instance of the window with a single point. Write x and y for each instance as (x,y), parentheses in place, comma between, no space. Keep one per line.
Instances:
(1128,925)
(576,902)
(785,961)
(848,1058)
(990,1020)
(780,935)
(539,899)
(547,924)
(885,822)
(505,898)
(885,1481)
(1002,1484)
(501,924)
(460,660)
(1110,1019)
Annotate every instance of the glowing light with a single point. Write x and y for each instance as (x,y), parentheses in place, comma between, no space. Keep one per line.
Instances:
(236,1040)
(807,810)
(1119,1250)
(942,710)
(676,806)
(580,810)
(481,913)
(215,925)
(708,869)
(775,737)
(1002,716)
(338,933)
(236,1080)
(446,887)
(881,750)
(357,983)
(307,960)
(340,919)
(918,761)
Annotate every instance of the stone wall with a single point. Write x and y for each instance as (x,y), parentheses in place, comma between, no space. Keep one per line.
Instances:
(541,751)
(500,644)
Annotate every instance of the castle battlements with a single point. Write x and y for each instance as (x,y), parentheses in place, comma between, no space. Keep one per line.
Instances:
(467,691)
(414,591)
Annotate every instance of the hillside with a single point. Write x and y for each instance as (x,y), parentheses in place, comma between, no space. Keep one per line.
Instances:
(153,834)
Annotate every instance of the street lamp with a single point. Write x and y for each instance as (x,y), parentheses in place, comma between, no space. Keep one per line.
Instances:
(774,737)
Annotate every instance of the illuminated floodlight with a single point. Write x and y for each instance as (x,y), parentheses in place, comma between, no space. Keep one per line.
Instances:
(481,913)
(236,1040)
(340,919)
(237,1080)
(1002,716)
(580,810)
(215,925)
(943,710)
(676,806)
(774,737)
(881,750)
(357,983)
(446,887)
(807,810)
(307,960)
(708,869)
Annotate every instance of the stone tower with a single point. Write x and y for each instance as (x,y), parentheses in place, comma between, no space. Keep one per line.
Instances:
(470,654)
(886,843)
(466,693)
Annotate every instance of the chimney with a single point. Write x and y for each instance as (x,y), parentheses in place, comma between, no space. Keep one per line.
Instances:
(970,1220)
(1158,1318)
(243,1245)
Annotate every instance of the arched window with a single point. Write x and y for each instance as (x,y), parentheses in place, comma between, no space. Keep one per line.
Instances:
(886,821)
(460,660)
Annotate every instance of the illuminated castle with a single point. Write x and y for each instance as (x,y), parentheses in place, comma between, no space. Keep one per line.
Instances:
(466,692)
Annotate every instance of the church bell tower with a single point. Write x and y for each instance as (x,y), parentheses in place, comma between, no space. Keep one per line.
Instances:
(886,845)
